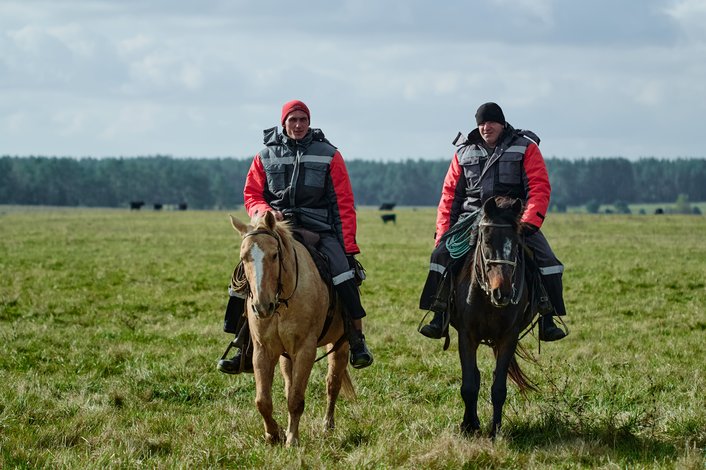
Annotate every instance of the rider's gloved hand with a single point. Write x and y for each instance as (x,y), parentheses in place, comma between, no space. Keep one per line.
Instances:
(528,229)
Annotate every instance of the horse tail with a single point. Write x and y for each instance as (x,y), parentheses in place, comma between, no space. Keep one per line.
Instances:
(517,375)
(347,389)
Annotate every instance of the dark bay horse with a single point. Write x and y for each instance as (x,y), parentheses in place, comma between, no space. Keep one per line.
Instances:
(492,308)
(287,310)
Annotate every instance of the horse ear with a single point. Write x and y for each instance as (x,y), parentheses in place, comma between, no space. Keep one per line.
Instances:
(490,207)
(517,206)
(239,226)
(270,220)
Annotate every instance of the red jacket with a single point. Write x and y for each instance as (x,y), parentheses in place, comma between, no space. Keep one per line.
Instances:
(322,197)
(532,184)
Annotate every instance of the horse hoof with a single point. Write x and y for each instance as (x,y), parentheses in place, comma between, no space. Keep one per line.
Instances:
(273,438)
(470,430)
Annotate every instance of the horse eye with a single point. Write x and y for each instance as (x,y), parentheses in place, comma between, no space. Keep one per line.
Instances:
(274,256)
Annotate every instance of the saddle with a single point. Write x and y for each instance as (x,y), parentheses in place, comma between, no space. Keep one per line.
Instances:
(311,240)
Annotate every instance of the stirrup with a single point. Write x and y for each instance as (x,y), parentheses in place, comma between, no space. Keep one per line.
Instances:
(244,364)
(230,346)
(421,328)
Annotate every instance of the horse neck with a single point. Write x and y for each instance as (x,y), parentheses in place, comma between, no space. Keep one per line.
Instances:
(289,261)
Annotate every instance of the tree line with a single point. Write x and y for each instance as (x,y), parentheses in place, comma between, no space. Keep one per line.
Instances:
(218,183)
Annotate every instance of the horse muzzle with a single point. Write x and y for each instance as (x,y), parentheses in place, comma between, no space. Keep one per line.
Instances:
(499,298)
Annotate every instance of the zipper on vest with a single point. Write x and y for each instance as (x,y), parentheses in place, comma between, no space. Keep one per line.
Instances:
(295,177)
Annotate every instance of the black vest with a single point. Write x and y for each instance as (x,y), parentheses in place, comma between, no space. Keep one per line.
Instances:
(499,174)
(298,178)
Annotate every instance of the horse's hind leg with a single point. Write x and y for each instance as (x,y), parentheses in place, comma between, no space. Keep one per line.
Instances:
(470,382)
(264,368)
(337,364)
(498,392)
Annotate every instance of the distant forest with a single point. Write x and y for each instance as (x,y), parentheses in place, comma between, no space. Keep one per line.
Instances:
(218,183)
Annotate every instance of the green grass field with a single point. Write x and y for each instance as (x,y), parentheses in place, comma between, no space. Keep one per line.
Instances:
(110,328)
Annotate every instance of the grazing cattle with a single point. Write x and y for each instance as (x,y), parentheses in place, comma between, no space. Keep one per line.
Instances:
(157,206)
(182,206)
(389,218)
(136,205)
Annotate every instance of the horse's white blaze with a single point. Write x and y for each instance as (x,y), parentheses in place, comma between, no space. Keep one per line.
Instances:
(507,249)
(258,257)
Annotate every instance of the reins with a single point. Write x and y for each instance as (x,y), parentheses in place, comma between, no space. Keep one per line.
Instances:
(280,285)
(482,261)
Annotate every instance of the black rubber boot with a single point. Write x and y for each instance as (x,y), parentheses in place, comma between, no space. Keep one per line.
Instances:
(233,315)
(350,297)
(232,365)
(361,356)
(438,326)
(548,331)
(555,291)
(435,328)
(242,360)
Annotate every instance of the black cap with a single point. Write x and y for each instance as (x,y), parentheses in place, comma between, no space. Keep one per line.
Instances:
(490,112)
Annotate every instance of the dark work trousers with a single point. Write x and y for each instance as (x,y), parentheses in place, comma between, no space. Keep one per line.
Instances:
(343,275)
(550,269)
(440,260)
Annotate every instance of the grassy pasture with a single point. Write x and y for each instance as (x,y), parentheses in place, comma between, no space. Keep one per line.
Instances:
(110,328)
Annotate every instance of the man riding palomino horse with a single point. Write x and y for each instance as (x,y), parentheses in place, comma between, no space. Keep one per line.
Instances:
(494,159)
(301,177)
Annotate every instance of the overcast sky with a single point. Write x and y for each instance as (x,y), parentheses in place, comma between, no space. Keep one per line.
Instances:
(384,79)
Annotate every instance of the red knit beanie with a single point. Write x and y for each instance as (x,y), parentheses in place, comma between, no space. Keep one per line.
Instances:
(294,105)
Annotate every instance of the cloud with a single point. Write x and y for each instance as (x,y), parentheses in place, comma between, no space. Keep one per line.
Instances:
(690,17)
(384,78)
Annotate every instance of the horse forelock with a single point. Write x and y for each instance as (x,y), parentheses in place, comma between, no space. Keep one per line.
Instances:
(282,229)
(504,213)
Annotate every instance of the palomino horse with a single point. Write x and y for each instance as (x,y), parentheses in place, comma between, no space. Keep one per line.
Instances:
(287,310)
(492,308)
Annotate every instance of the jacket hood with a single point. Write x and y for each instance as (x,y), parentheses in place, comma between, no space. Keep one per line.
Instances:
(272,136)
(508,135)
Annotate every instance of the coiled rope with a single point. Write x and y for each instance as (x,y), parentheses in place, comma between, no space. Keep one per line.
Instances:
(462,236)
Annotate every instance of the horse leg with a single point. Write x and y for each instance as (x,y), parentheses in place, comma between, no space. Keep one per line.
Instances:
(337,363)
(470,382)
(264,369)
(285,366)
(302,363)
(505,352)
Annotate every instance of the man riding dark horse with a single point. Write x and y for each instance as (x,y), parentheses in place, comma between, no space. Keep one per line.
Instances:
(494,159)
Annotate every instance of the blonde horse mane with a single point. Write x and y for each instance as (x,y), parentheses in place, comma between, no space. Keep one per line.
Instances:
(282,228)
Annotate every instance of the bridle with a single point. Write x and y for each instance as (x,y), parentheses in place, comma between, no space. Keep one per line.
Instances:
(278,300)
(481,274)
